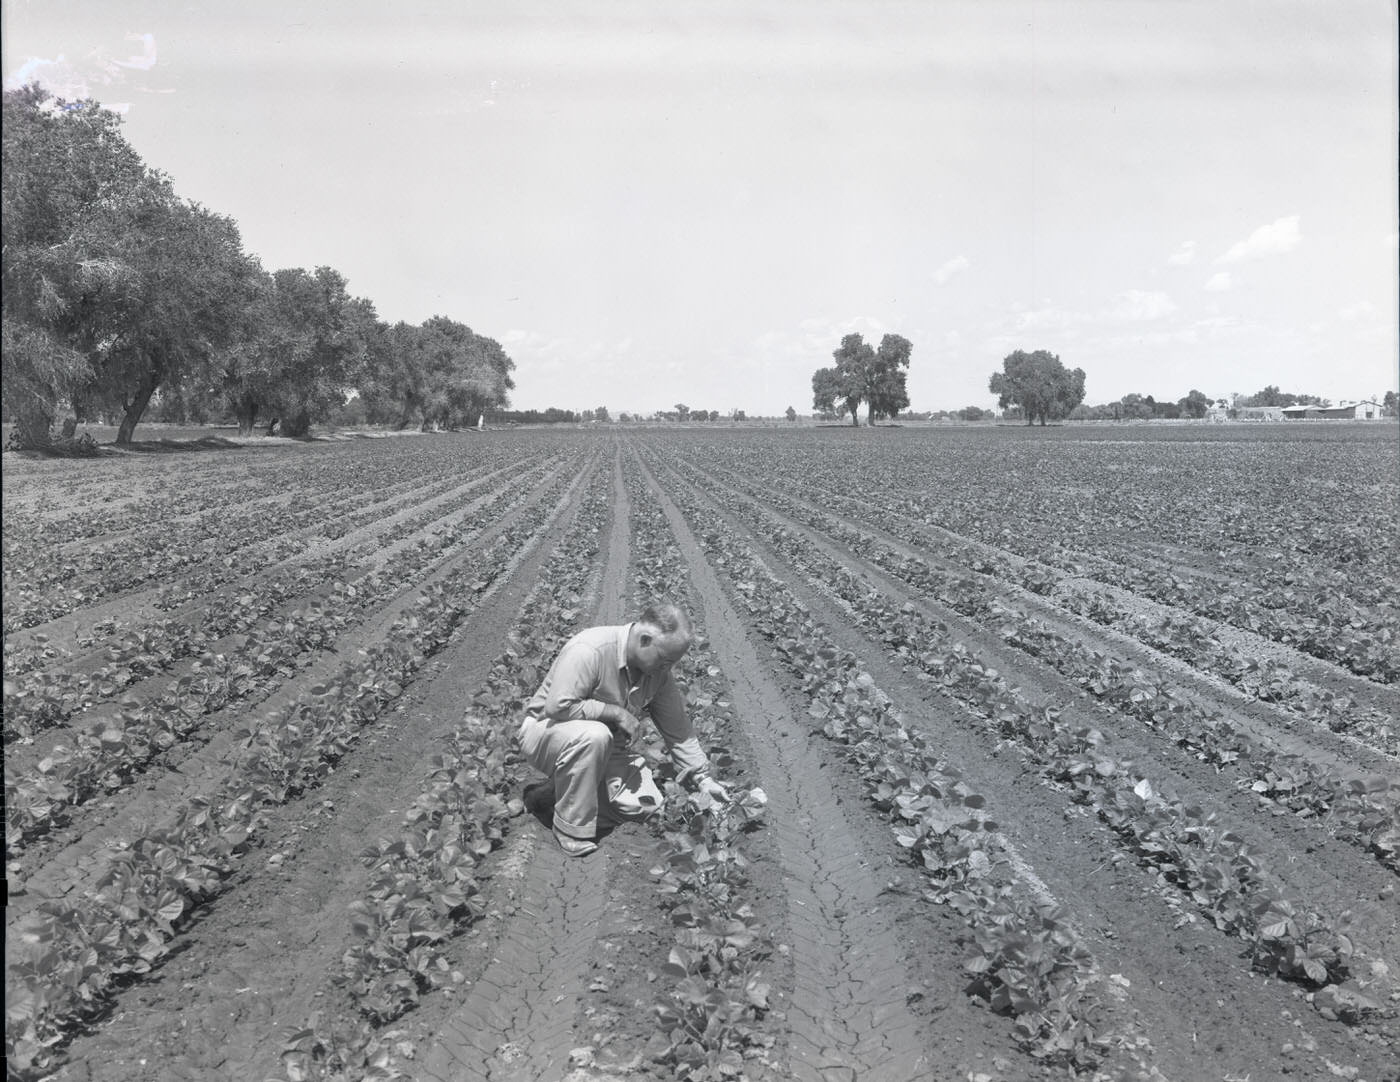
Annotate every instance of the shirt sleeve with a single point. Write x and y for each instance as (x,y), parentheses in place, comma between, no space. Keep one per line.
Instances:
(668,713)
(573,683)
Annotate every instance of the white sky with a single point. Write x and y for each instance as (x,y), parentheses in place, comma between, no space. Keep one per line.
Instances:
(651,203)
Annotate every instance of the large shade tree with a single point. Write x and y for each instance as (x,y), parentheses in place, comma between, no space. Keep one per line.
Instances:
(1039,385)
(176,314)
(440,374)
(113,287)
(70,187)
(864,374)
(303,345)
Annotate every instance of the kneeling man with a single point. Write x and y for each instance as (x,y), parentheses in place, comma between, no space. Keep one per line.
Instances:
(579,724)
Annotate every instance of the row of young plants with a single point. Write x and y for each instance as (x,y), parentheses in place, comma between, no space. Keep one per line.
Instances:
(1293,597)
(1364,810)
(1244,515)
(1195,641)
(70,955)
(1187,845)
(102,503)
(110,750)
(40,700)
(42,585)
(423,887)
(209,584)
(192,561)
(1024,958)
(714,1017)
(1311,618)
(1191,638)
(210,576)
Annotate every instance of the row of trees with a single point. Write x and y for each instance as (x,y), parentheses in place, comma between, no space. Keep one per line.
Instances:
(1272,396)
(1036,386)
(1130,407)
(117,292)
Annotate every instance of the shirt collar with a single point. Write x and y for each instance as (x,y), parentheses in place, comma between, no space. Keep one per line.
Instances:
(624,631)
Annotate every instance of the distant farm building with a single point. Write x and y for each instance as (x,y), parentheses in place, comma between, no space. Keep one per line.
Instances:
(1348,411)
(1259,413)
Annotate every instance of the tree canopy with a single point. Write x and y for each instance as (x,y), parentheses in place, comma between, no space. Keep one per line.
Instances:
(1039,385)
(118,293)
(862,374)
(440,374)
(1272,396)
(191,280)
(72,188)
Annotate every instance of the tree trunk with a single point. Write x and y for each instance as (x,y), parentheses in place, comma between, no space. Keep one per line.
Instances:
(32,428)
(134,409)
(298,425)
(246,410)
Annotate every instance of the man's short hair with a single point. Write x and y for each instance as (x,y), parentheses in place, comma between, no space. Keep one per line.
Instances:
(668,619)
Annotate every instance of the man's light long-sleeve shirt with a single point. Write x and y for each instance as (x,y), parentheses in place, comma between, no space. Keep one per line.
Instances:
(590,675)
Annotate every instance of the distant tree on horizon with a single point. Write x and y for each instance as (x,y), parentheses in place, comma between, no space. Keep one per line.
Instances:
(1272,396)
(1195,404)
(862,374)
(1039,385)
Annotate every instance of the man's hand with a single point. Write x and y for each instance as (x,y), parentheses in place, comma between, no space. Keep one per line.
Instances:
(625,728)
(713,789)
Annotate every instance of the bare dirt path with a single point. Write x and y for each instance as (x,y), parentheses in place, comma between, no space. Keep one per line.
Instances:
(847,1017)
(516,1021)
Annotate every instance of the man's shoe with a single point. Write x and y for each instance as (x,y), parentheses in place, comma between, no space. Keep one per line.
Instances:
(574,847)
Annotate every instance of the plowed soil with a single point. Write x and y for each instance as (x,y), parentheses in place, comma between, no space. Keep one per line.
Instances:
(561,971)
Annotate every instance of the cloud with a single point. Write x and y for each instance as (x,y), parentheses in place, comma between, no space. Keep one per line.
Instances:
(810,343)
(30,71)
(954,266)
(97,75)
(1184,255)
(1130,306)
(1219,282)
(1049,318)
(1273,239)
(1138,304)
(147,60)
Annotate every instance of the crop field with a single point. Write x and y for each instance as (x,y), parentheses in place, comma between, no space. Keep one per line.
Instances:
(1056,753)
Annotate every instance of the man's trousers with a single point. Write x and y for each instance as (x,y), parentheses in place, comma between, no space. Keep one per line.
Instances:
(592,774)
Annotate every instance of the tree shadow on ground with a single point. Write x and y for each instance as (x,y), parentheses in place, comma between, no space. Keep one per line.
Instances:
(168,446)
